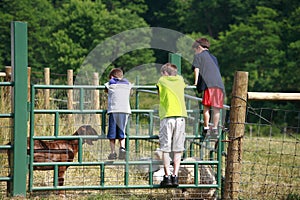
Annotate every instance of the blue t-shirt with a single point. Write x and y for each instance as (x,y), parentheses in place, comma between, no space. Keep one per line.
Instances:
(209,72)
(118,81)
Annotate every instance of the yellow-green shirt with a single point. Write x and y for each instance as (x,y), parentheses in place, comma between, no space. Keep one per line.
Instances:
(171,95)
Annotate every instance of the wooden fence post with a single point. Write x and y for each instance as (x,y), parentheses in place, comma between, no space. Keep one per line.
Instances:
(96,100)
(236,133)
(7,79)
(47,91)
(8,73)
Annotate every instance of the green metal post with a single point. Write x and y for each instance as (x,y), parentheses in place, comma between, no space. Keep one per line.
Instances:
(151,123)
(137,116)
(55,176)
(196,123)
(19,71)
(81,100)
(32,103)
(196,175)
(126,174)
(102,169)
(103,125)
(56,124)
(175,59)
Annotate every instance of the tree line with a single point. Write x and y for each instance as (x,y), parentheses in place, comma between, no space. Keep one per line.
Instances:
(258,36)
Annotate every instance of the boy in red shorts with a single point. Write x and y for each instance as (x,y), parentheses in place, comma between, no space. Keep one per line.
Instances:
(208,79)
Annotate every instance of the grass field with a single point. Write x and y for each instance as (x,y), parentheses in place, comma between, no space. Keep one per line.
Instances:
(270,170)
(271,167)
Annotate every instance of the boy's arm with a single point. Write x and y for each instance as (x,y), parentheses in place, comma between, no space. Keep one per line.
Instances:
(157,89)
(196,75)
(106,87)
(131,90)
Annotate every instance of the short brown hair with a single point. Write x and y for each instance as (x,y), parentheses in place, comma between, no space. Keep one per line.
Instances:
(203,42)
(170,68)
(116,72)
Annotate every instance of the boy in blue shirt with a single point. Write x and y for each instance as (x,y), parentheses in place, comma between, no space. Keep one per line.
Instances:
(118,89)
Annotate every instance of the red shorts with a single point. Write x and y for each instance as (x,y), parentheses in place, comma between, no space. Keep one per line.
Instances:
(213,97)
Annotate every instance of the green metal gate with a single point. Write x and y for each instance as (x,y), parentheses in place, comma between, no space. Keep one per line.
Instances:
(141,140)
(136,139)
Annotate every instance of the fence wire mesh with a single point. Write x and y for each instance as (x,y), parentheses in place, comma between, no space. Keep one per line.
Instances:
(270,160)
(271,156)
(139,174)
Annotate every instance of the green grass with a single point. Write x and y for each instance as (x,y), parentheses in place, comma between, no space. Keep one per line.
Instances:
(270,167)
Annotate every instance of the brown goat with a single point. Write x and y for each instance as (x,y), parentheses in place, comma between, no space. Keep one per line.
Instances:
(59,151)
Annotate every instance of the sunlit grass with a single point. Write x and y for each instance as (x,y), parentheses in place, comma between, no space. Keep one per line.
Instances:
(270,164)
(270,167)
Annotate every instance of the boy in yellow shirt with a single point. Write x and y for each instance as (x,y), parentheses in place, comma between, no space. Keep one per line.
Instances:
(172,113)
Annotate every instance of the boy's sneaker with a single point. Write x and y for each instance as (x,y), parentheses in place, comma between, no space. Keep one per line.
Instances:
(166,182)
(112,156)
(122,153)
(205,132)
(174,180)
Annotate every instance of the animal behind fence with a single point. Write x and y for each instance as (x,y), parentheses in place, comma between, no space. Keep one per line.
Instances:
(59,150)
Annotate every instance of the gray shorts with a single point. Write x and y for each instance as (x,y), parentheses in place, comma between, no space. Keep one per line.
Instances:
(172,134)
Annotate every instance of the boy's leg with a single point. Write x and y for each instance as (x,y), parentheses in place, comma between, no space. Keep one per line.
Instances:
(165,135)
(216,117)
(166,162)
(112,145)
(122,143)
(122,150)
(206,116)
(111,135)
(166,182)
(176,159)
(121,119)
(113,154)
(177,147)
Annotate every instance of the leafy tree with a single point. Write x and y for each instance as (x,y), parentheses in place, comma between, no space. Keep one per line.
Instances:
(85,24)
(136,6)
(39,28)
(261,37)
(170,14)
(254,47)
(292,45)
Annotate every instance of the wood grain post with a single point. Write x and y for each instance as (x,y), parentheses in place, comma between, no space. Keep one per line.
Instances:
(8,73)
(7,79)
(47,91)
(236,133)
(96,100)
(70,94)
(273,96)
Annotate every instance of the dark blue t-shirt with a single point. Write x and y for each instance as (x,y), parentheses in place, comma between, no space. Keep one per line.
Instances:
(209,72)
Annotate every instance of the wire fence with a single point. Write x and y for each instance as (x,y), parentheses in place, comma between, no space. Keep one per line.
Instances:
(271,156)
